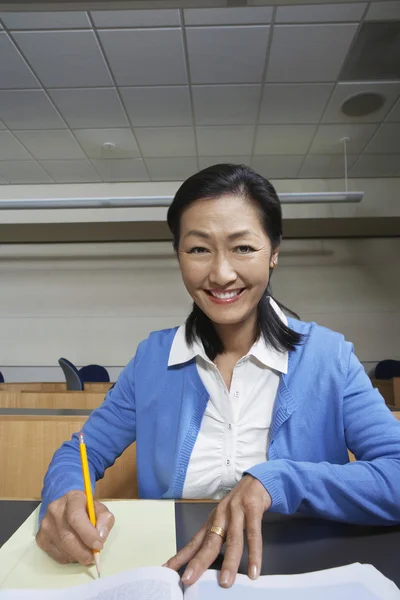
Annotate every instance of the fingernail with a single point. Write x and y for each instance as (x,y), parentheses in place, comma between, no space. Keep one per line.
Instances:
(187,575)
(97,545)
(103,532)
(224,578)
(253,572)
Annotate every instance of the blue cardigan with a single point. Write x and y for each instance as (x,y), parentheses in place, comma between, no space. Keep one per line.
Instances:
(325,404)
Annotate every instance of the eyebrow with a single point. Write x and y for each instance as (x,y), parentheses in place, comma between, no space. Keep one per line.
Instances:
(206,236)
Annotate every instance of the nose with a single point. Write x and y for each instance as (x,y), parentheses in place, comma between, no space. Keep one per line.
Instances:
(222,272)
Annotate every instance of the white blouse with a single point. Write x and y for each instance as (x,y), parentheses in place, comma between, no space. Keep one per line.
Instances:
(234,432)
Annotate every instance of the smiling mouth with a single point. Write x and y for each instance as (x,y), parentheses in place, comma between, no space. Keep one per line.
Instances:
(225,297)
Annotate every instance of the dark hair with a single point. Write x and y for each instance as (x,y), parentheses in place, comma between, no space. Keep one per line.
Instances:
(214,182)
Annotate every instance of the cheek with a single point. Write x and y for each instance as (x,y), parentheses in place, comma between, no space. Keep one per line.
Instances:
(193,273)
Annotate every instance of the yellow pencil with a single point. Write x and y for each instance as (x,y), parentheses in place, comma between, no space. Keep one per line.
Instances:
(89,494)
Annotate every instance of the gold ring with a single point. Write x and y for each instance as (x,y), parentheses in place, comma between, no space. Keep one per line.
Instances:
(218,530)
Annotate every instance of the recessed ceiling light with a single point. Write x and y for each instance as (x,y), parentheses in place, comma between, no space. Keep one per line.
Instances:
(362,104)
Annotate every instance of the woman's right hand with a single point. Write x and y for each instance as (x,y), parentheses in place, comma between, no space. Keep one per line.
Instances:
(66,533)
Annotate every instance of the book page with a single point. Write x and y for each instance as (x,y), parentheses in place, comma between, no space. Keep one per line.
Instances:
(143,535)
(147,583)
(351,582)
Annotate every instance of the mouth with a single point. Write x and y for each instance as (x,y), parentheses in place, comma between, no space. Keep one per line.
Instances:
(225,297)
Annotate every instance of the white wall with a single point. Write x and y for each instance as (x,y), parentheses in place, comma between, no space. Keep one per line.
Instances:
(93,303)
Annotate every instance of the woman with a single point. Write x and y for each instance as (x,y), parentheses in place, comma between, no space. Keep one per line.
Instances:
(241,403)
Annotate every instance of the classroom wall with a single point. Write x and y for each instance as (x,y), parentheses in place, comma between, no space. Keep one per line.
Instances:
(93,303)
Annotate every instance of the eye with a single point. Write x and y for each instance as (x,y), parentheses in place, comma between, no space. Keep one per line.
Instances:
(197,250)
(244,249)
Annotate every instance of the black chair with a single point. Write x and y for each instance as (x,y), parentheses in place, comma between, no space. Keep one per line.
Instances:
(76,378)
(1,377)
(387,369)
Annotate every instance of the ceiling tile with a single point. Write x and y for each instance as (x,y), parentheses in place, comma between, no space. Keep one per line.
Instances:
(386,140)
(136,18)
(209,161)
(294,102)
(71,171)
(343,91)
(236,15)
(76,58)
(145,56)
(92,141)
(50,144)
(14,72)
(227,54)
(171,169)
(376,165)
(319,50)
(314,13)
(322,165)
(225,141)
(28,109)
(328,138)
(45,20)
(10,148)
(166,141)
(277,167)
(90,107)
(23,171)
(123,169)
(394,115)
(283,139)
(383,11)
(157,106)
(226,104)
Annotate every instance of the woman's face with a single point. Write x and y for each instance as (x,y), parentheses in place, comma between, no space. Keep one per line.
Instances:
(225,255)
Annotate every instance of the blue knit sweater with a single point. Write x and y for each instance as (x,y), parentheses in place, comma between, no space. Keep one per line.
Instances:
(325,405)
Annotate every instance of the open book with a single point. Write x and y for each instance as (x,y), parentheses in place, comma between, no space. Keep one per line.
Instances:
(352,582)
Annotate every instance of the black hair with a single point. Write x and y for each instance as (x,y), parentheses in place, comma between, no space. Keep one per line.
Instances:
(214,182)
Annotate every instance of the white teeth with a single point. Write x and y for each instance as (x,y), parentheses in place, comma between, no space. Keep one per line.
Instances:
(225,295)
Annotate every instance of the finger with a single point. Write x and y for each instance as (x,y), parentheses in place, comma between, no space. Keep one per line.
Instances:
(69,543)
(233,550)
(254,543)
(78,522)
(206,555)
(186,554)
(58,555)
(104,520)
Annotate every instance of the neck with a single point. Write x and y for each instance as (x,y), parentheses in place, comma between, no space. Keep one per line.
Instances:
(237,338)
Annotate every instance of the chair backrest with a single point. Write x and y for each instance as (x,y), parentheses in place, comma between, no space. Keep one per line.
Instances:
(94,373)
(1,377)
(74,382)
(387,369)
(27,444)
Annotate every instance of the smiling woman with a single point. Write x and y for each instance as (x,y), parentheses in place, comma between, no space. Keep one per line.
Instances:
(242,403)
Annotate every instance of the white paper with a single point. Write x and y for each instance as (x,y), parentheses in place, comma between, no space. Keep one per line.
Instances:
(146,583)
(351,582)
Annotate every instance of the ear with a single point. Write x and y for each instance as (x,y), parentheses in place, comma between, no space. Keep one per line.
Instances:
(274,258)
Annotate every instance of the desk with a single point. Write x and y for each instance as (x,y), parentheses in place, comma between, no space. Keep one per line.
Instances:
(291,544)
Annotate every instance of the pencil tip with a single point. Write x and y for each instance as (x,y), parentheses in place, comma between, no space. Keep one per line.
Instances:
(97,562)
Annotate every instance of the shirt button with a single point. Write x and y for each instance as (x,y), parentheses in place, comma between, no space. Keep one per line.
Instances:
(227,462)
(236,394)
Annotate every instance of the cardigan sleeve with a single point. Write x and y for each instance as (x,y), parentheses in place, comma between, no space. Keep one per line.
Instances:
(108,431)
(366,491)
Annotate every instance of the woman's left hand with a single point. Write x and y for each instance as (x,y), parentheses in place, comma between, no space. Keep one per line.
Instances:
(242,508)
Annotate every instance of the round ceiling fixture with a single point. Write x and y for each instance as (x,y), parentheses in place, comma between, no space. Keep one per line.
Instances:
(362,104)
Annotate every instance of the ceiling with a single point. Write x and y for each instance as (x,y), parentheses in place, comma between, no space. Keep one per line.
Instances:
(154,95)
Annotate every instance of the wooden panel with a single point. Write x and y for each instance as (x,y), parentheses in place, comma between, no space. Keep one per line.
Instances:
(71,400)
(56,386)
(385,387)
(27,444)
(396,391)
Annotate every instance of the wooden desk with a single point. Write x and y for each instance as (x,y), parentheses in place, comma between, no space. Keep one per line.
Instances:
(290,544)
